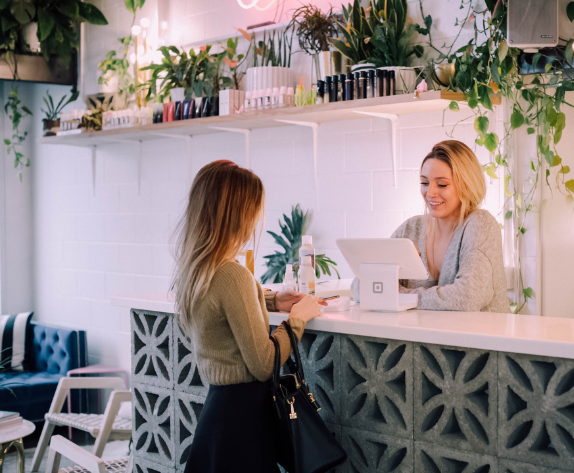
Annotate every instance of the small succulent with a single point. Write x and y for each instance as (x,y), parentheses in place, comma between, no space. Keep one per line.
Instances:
(290,240)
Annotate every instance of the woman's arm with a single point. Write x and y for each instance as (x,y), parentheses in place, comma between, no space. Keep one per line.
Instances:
(471,291)
(245,317)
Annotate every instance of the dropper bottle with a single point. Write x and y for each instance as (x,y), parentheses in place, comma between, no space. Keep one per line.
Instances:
(289,281)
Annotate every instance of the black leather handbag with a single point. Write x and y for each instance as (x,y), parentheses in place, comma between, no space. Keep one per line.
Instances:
(304,442)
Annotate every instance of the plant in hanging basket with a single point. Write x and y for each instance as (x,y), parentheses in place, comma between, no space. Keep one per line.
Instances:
(313,28)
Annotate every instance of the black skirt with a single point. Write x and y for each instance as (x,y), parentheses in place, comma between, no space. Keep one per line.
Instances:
(235,431)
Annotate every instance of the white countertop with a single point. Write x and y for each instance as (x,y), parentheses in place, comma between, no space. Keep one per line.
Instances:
(529,334)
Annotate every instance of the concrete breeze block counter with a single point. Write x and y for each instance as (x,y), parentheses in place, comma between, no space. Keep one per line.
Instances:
(414,391)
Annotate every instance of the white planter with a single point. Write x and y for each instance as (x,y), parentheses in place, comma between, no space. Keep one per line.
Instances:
(112,83)
(268,77)
(365,66)
(405,78)
(177,94)
(29,35)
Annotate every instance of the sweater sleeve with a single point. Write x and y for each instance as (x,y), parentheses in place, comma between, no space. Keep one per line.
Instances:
(471,290)
(245,317)
(270,300)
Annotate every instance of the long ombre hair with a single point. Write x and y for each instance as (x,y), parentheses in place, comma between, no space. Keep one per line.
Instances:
(466,173)
(224,208)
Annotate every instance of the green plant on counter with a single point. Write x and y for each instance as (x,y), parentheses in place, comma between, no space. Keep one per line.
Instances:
(487,67)
(290,240)
(16,111)
(92,120)
(120,67)
(54,111)
(274,50)
(234,61)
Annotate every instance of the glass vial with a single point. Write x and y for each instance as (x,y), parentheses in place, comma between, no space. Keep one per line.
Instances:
(392,83)
(371,85)
(358,93)
(380,92)
(328,89)
(341,89)
(320,91)
(363,81)
(334,89)
(386,83)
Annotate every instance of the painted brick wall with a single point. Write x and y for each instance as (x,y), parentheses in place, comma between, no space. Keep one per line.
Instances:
(89,247)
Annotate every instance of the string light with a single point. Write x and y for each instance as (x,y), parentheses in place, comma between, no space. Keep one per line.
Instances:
(136,30)
(145,22)
(254,3)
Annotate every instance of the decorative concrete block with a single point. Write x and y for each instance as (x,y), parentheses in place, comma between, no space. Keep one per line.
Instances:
(455,397)
(536,410)
(187,377)
(510,466)
(437,459)
(152,348)
(153,427)
(377,385)
(188,408)
(320,356)
(372,452)
(143,466)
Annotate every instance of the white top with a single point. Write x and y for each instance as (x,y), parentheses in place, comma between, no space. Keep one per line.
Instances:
(16,432)
(528,334)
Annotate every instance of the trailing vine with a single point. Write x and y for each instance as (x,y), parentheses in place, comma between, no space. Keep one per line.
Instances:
(482,69)
(16,111)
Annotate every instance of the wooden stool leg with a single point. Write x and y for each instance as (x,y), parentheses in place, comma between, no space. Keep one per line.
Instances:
(42,445)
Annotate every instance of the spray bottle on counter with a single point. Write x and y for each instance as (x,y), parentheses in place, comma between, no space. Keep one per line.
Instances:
(289,281)
(306,276)
(307,249)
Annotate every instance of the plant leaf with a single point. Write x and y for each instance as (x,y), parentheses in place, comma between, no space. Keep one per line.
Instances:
(453,105)
(570,185)
(91,14)
(570,11)
(516,119)
(23,11)
(130,5)
(502,50)
(491,142)
(481,125)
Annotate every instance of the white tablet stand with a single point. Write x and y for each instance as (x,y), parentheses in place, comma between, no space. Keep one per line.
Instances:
(380,263)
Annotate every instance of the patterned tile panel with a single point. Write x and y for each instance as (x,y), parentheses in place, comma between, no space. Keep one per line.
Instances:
(455,397)
(141,465)
(320,355)
(153,424)
(187,377)
(431,458)
(188,408)
(511,466)
(536,410)
(370,452)
(152,348)
(377,385)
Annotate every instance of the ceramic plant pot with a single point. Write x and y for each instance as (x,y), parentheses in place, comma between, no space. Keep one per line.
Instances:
(405,78)
(268,77)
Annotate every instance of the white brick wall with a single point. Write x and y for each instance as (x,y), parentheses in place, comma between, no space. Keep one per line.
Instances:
(91,247)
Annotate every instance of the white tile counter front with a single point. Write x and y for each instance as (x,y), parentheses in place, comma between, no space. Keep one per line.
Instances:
(526,334)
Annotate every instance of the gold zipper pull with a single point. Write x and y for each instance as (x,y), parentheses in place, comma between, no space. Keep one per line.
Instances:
(314,402)
(293,414)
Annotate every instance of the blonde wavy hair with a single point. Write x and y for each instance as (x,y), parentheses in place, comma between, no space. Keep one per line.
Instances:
(226,203)
(466,173)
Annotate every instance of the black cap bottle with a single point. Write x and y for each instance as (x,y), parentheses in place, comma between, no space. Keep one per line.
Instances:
(328,89)
(341,91)
(349,87)
(335,90)
(392,84)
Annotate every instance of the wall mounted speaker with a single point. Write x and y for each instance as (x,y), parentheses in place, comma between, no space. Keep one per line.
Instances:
(532,24)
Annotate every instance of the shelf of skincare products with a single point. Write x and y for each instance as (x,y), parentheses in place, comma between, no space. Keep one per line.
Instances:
(273,113)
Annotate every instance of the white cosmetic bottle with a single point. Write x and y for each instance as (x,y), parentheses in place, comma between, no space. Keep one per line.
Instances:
(289,281)
(306,276)
(307,249)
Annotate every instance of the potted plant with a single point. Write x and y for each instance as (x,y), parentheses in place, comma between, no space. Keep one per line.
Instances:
(51,121)
(313,29)
(115,77)
(271,60)
(391,41)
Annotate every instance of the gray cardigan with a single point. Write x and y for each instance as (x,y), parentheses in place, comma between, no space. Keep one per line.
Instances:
(472,277)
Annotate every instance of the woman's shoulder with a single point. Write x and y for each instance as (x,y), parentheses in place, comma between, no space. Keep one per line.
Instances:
(410,227)
(481,228)
(232,274)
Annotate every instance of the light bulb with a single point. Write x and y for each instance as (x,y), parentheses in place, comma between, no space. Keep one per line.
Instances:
(145,22)
(133,58)
(136,30)
(164,26)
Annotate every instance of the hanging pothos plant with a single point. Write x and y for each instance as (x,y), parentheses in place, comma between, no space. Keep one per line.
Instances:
(483,68)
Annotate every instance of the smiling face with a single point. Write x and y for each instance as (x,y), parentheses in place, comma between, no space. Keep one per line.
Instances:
(438,190)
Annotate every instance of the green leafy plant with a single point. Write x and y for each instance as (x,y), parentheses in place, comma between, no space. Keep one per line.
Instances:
(487,67)
(16,111)
(274,50)
(53,111)
(313,28)
(118,66)
(290,241)
(234,61)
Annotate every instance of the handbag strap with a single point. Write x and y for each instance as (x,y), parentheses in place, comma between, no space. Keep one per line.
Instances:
(298,366)
(276,367)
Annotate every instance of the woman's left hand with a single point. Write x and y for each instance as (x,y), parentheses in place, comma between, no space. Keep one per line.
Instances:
(284,300)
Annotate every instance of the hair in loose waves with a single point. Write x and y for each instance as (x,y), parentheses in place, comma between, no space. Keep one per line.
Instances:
(466,173)
(224,208)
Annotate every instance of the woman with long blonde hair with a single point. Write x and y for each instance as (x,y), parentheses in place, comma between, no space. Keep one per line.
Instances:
(459,243)
(224,311)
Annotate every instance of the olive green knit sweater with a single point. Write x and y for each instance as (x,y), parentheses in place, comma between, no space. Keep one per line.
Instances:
(230,329)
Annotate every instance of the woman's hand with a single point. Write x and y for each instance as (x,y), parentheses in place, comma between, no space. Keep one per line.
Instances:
(284,300)
(308,308)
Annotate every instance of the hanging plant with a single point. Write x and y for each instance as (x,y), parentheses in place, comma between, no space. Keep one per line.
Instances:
(16,111)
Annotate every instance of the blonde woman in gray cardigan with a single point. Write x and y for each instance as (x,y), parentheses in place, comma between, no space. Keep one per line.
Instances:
(460,244)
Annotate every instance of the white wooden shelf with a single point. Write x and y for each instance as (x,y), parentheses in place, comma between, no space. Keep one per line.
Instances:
(332,112)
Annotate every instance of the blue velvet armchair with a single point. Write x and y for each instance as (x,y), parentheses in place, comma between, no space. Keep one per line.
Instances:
(52,352)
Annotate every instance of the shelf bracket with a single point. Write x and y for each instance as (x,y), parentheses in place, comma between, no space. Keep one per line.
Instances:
(315,127)
(246,133)
(94,148)
(394,119)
